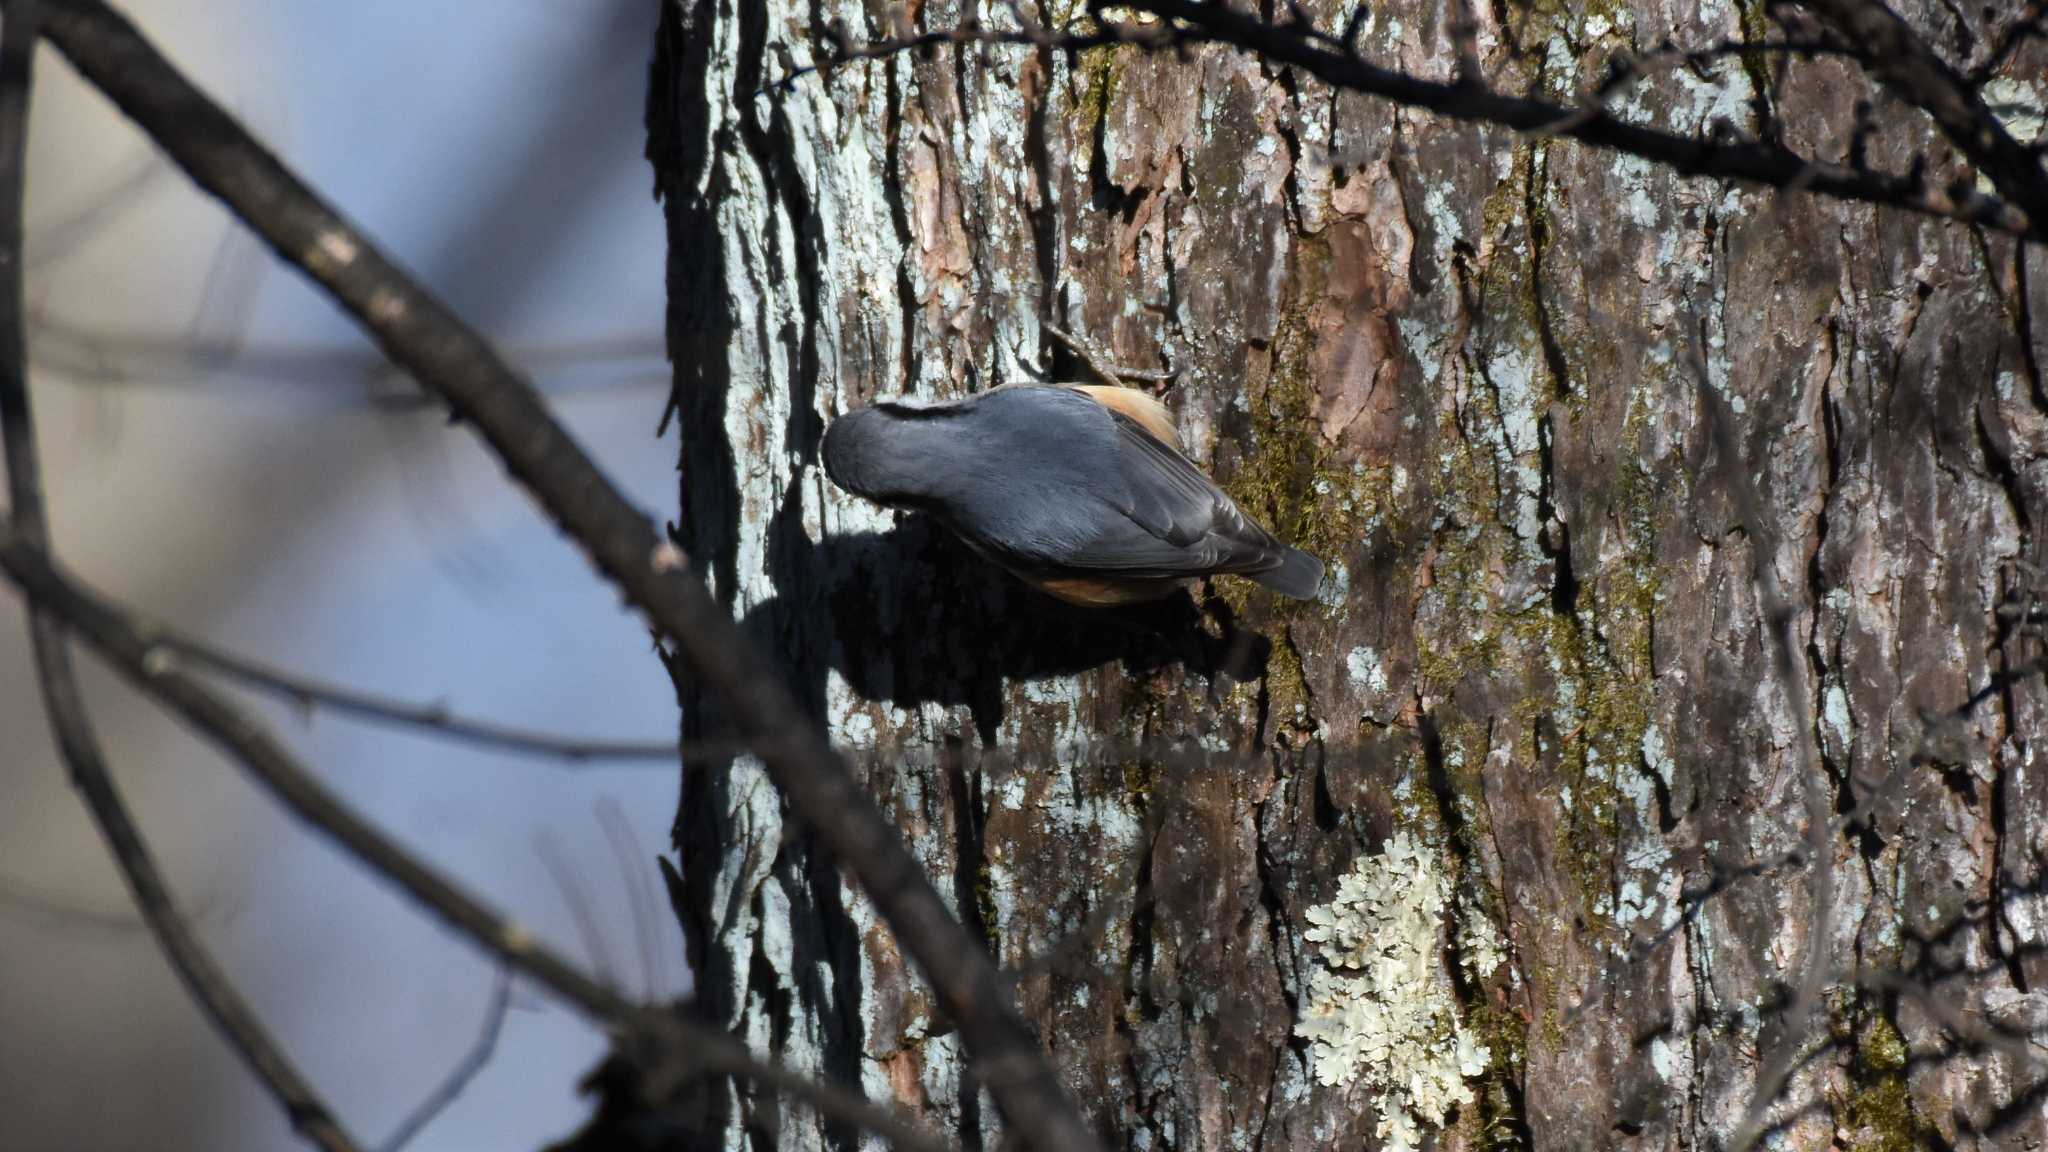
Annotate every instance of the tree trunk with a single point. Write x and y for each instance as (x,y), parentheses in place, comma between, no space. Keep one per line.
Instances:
(1477,374)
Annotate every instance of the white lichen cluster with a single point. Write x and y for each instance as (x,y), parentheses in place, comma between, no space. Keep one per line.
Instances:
(1379,1010)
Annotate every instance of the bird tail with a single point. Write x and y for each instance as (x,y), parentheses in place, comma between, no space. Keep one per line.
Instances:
(1298,574)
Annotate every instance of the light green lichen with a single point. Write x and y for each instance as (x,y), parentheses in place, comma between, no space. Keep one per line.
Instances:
(1380,1009)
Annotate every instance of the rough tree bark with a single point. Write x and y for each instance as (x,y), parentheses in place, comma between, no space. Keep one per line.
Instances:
(1463,367)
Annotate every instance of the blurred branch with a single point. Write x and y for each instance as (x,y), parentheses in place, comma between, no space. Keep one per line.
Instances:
(28,530)
(2030,24)
(467,1069)
(1100,366)
(680,1047)
(451,360)
(1904,63)
(842,49)
(618,834)
(1781,615)
(56,239)
(1335,59)
(158,360)
(433,719)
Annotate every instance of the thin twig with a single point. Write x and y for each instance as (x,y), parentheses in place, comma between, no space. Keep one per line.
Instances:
(168,361)
(1336,61)
(433,719)
(2028,25)
(1751,161)
(1098,366)
(466,1070)
(1903,62)
(203,978)
(841,49)
(451,360)
(581,907)
(2016,1044)
(690,1047)
(618,833)
(1624,71)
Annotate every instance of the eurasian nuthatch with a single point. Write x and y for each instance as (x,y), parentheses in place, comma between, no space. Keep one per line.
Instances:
(1081,491)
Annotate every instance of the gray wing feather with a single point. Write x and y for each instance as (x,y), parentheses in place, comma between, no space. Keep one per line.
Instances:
(1179,521)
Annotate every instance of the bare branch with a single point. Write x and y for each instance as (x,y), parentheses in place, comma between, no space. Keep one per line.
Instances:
(686,1046)
(208,984)
(841,49)
(1336,60)
(432,719)
(1100,366)
(1750,161)
(2030,24)
(453,361)
(1905,64)
(1977,1033)
(168,361)
(618,834)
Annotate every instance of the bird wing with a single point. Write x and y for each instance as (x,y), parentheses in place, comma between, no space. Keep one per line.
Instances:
(1178,522)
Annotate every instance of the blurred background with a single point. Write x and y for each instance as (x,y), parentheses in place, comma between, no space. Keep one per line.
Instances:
(227,455)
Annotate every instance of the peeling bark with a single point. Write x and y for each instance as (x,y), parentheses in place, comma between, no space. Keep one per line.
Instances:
(1458,365)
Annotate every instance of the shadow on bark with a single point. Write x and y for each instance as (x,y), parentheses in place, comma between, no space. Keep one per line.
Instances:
(911,616)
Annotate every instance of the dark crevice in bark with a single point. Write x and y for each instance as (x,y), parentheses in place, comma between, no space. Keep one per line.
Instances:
(1909,320)
(1555,535)
(1327,815)
(1817,660)
(763,985)
(1998,452)
(1273,899)
(1757,69)
(1262,709)
(1959,21)
(1499,459)
(1445,793)
(1138,1001)
(771,147)
(1998,460)
(1536,187)
(1555,532)
(1667,814)
(1298,666)
(1044,216)
(1172,334)
(1420,272)
(899,218)
(829,948)
(969,810)
(1465,849)
(1290,184)
(2023,325)
(1104,194)
(2001,933)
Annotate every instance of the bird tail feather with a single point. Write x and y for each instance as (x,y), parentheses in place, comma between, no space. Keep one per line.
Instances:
(1298,575)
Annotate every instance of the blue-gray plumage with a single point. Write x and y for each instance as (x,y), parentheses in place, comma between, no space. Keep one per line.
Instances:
(1065,487)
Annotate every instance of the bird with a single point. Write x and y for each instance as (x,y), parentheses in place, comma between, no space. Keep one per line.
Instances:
(1080,490)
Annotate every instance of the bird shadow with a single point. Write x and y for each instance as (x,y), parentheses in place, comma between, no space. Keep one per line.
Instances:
(911,616)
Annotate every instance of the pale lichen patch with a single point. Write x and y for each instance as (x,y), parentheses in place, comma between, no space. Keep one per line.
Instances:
(1380,1009)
